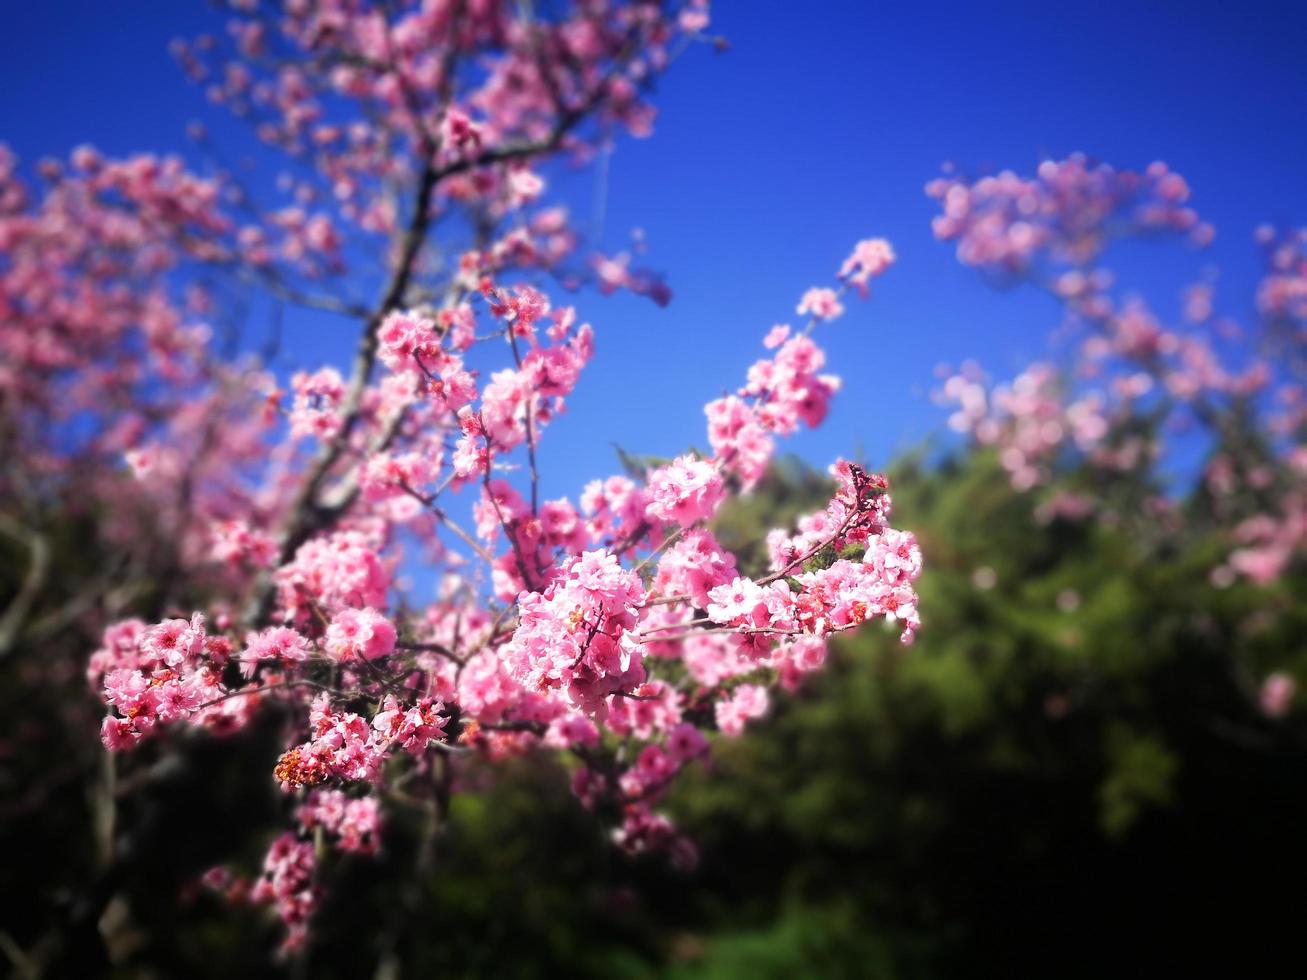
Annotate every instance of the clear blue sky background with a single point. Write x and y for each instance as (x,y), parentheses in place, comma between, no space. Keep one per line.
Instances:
(819,127)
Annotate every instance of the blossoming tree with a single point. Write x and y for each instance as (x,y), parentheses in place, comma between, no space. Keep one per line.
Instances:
(611,627)
(1134,382)
(1136,387)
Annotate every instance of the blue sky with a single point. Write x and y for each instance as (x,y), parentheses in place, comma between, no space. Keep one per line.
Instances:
(819,127)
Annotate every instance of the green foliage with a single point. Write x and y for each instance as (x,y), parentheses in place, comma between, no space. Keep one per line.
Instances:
(805,941)
(1141,773)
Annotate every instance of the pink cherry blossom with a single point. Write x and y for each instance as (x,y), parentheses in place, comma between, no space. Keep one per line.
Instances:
(684,491)
(381,564)
(359,634)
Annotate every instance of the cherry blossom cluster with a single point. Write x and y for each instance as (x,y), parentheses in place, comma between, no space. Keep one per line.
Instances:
(1029,420)
(1283,291)
(92,328)
(347,747)
(464,98)
(616,630)
(1063,216)
(1267,545)
(155,675)
(288,881)
(1133,379)
(395,118)
(1277,694)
